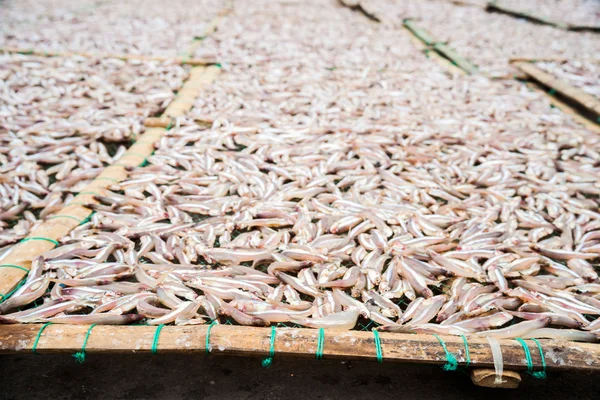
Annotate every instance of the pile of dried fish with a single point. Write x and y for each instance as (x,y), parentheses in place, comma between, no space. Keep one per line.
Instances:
(581,74)
(369,191)
(107,26)
(61,121)
(488,39)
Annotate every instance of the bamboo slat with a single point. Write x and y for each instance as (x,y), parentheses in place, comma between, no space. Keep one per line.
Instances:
(495,7)
(24,252)
(440,48)
(584,100)
(299,342)
(126,57)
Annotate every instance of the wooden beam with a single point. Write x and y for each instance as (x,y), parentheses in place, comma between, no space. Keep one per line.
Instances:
(126,57)
(585,101)
(24,252)
(300,342)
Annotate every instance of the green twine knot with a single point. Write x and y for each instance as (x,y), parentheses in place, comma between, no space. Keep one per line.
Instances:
(269,360)
(80,355)
(320,344)
(451,361)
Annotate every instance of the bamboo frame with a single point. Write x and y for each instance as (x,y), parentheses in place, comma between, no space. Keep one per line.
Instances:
(584,100)
(298,342)
(24,252)
(126,57)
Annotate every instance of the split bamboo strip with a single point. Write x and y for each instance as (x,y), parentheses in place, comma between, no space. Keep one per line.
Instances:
(495,7)
(433,55)
(456,58)
(24,252)
(299,342)
(452,60)
(126,57)
(551,59)
(586,101)
(356,5)
(210,29)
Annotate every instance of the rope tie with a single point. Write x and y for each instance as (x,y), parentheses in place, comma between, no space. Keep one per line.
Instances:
(378,346)
(320,344)
(537,374)
(67,216)
(39,335)
(54,242)
(156,336)
(451,362)
(269,360)
(208,348)
(467,354)
(80,355)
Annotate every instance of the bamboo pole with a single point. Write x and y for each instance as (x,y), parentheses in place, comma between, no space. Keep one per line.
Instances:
(24,252)
(126,57)
(584,100)
(300,342)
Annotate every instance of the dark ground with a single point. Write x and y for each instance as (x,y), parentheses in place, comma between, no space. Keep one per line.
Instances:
(26,377)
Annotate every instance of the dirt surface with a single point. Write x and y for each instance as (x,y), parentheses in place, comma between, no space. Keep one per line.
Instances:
(198,377)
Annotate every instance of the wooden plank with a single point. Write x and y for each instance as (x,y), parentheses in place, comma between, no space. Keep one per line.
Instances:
(495,7)
(24,252)
(587,102)
(126,57)
(300,342)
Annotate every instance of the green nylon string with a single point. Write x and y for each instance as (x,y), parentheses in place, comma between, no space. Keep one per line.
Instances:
(320,344)
(467,354)
(14,266)
(378,346)
(269,360)
(88,218)
(208,349)
(156,336)
(540,374)
(67,216)
(6,296)
(451,362)
(54,242)
(80,355)
(551,92)
(39,335)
